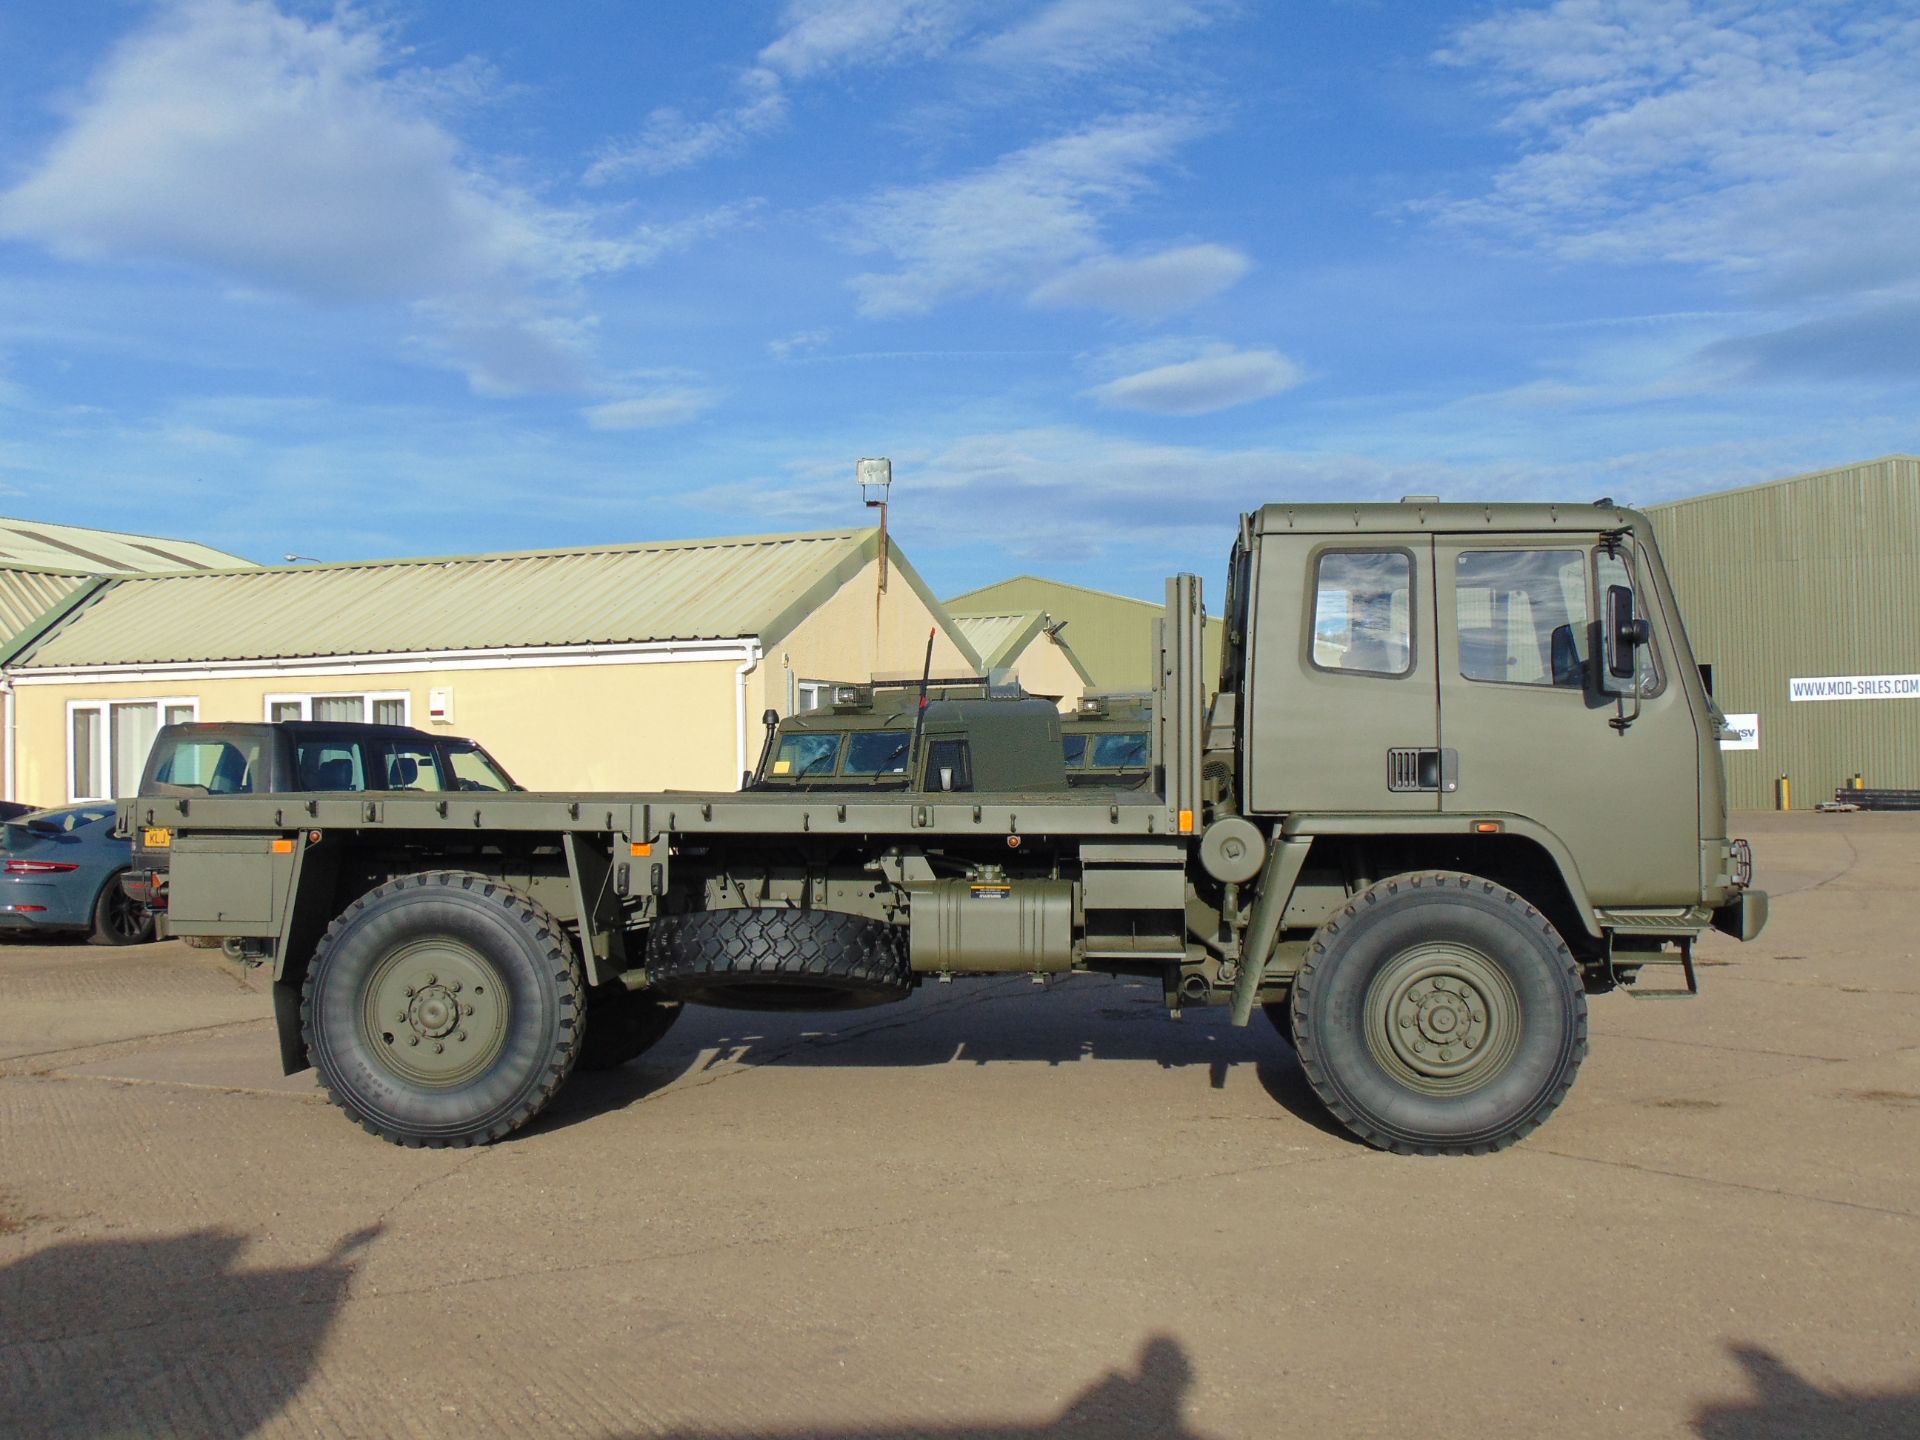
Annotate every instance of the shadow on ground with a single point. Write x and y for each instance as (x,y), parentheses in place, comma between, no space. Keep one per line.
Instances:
(1786,1406)
(160,1336)
(971,1022)
(1150,1401)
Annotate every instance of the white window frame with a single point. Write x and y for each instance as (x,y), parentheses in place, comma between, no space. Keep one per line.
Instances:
(103,753)
(305,699)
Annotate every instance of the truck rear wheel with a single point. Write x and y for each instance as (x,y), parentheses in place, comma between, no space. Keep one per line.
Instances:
(778,959)
(622,1024)
(1439,1014)
(443,1009)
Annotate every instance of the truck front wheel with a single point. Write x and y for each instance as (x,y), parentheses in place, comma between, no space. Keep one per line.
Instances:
(1439,1014)
(443,1009)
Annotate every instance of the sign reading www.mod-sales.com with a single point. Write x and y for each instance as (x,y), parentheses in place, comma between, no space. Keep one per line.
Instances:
(1856,687)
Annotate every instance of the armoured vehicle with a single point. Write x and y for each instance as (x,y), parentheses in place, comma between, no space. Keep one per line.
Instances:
(1457,773)
(1106,739)
(880,737)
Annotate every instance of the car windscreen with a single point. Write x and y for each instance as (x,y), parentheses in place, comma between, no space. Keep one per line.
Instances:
(878,752)
(805,754)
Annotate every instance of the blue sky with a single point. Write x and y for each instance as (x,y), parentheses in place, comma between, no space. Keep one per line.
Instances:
(387,279)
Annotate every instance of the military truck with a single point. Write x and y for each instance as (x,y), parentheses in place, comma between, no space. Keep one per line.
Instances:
(1457,773)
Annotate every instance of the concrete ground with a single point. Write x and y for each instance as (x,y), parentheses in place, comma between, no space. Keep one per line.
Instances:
(993,1211)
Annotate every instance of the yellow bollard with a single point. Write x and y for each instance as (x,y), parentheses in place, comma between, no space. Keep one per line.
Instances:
(1782,794)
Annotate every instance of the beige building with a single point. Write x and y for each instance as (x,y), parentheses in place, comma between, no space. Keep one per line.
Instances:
(609,667)
(1027,649)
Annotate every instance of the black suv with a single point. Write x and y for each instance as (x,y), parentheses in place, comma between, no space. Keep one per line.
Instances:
(221,758)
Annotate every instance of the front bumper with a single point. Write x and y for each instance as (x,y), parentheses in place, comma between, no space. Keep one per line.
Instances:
(1744,916)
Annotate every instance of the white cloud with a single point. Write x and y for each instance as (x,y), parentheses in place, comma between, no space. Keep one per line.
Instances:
(670,141)
(1768,141)
(1085,35)
(1218,380)
(1146,287)
(787,347)
(1013,224)
(297,157)
(670,405)
(823,34)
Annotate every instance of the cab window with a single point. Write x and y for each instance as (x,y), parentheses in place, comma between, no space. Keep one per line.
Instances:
(949,765)
(1618,570)
(1363,612)
(1521,617)
(1075,748)
(803,755)
(878,752)
(1120,752)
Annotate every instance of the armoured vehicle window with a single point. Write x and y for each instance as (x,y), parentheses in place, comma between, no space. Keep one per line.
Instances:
(1075,747)
(329,765)
(949,765)
(1120,752)
(219,767)
(1522,616)
(1362,616)
(878,752)
(807,755)
(1616,570)
(473,770)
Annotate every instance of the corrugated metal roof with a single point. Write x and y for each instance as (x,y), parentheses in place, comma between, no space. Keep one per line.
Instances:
(26,595)
(104,552)
(1112,635)
(758,585)
(996,639)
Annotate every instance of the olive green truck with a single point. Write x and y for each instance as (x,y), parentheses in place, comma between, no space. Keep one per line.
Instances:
(1458,773)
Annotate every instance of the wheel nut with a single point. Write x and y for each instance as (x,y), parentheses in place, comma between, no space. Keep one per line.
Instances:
(413,1039)
(401,1017)
(410,992)
(455,987)
(466,1009)
(438,1048)
(461,1036)
(433,979)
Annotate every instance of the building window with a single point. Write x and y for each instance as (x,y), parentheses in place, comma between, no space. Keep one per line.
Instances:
(811,695)
(108,741)
(379,707)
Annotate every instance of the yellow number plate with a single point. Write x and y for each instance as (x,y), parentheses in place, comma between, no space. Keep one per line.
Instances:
(157,839)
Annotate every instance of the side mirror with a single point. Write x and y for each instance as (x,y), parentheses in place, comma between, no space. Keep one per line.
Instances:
(1623,634)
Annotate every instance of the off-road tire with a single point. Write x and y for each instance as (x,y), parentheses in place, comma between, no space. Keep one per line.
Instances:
(119,919)
(622,1024)
(452,928)
(1366,997)
(778,960)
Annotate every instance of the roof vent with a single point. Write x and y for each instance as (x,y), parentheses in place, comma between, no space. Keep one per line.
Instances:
(1419,499)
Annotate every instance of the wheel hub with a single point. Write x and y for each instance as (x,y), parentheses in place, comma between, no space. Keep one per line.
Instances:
(1445,1018)
(435,1012)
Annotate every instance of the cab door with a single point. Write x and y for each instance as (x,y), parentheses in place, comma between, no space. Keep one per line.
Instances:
(1342,709)
(1525,715)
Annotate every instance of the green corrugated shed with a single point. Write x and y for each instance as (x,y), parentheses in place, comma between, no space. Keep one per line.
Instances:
(1111,635)
(1812,577)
